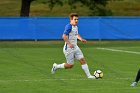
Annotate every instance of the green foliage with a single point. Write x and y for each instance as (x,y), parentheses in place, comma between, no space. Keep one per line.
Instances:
(40,8)
(72,3)
(97,7)
(52,3)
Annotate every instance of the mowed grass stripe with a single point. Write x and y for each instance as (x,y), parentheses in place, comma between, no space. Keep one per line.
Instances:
(117,50)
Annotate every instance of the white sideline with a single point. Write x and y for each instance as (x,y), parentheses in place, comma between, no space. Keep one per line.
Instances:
(64,79)
(40,80)
(117,50)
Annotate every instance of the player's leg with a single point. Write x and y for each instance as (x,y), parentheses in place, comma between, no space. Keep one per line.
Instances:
(69,64)
(69,55)
(137,79)
(138,76)
(84,65)
(63,65)
(85,68)
(56,66)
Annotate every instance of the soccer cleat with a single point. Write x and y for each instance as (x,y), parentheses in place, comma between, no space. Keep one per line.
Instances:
(91,77)
(54,68)
(133,84)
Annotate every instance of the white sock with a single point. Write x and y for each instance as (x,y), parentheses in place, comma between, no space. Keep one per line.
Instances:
(86,70)
(60,65)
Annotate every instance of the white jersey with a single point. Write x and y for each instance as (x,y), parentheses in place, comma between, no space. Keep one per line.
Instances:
(72,32)
(72,53)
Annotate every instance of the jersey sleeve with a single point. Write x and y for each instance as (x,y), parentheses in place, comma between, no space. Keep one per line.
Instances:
(68,29)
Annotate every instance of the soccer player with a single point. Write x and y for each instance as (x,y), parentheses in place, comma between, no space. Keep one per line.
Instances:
(137,79)
(71,49)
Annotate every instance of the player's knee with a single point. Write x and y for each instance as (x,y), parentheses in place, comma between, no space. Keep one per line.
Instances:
(68,66)
(82,61)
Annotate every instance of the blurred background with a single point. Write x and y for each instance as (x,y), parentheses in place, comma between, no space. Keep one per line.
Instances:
(64,7)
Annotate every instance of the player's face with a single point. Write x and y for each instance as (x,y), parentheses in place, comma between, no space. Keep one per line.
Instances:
(74,21)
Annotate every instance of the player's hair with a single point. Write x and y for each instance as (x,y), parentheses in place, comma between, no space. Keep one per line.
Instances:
(72,15)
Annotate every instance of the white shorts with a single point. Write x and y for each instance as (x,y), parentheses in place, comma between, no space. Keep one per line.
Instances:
(72,53)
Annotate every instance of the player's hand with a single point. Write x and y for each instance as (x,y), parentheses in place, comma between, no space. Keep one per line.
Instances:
(83,40)
(71,45)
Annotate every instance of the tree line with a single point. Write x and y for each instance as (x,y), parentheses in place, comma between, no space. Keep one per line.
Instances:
(97,7)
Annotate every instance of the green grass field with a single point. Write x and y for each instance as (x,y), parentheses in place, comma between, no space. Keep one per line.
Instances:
(25,67)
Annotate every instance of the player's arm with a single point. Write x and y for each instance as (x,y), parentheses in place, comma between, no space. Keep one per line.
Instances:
(65,38)
(81,39)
